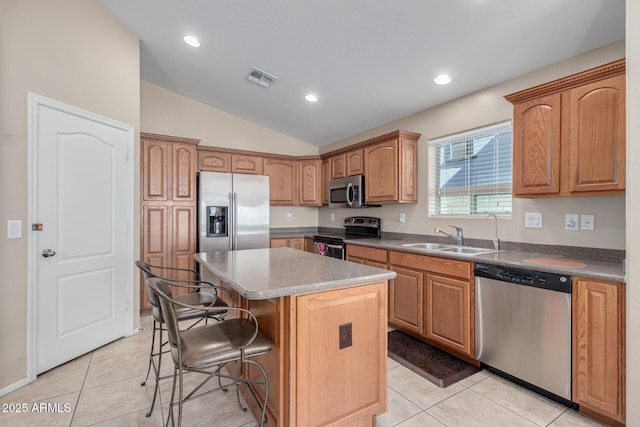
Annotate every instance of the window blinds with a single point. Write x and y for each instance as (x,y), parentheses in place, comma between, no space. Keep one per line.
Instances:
(470,172)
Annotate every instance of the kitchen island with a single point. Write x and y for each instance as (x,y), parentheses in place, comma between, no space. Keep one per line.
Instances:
(328,321)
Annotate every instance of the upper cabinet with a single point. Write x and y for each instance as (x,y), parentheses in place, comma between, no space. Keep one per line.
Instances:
(355,162)
(168,168)
(282,181)
(220,161)
(338,166)
(569,135)
(326,179)
(391,169)
(310,178)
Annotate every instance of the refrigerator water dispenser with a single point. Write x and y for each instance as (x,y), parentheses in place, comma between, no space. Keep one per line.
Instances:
(217,221)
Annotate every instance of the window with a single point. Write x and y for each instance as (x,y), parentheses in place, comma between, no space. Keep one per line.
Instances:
(470,172)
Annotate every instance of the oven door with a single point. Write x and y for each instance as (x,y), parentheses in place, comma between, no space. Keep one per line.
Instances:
(328,249)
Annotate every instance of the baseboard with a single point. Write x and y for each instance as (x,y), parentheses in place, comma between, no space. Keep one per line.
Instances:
(12,387)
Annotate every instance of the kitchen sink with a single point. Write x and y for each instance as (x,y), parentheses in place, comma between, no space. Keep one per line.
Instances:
(468,250)
(430,246)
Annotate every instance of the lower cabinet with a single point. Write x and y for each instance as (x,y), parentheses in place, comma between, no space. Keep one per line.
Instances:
(308,245)
(406,293)
(433,298)
(369,256)
(448,311)
(168,240)
(599,347)
(295,243)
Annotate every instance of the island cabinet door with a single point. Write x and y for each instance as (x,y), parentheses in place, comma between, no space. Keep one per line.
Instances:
(270,314)
(341,356)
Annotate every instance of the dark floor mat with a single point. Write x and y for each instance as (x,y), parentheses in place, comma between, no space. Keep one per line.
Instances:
(435,365)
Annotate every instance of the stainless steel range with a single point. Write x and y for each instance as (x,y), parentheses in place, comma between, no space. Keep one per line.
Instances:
(355,227)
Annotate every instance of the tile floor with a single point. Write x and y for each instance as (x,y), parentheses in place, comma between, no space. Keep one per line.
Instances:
(102,388)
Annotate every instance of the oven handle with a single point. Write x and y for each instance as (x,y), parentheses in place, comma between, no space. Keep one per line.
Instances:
(315,245)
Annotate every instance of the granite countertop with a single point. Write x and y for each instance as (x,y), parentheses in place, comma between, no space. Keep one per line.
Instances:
(270,273)
(575,266)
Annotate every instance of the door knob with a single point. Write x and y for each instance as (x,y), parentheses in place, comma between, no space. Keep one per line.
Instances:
(48,252)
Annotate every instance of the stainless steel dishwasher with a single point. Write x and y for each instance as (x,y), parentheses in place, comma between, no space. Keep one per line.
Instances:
(523,328)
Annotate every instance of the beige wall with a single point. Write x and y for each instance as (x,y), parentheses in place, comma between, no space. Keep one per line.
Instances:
(633,211)
(482,108)
(72,51)
(169,113)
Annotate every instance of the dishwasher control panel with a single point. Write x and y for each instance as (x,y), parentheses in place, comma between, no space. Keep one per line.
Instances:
(538,279)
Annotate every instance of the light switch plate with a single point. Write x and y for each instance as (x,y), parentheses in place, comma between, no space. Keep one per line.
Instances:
(571,222)
(14,229)
(533,220)
(587,222)
(289,216)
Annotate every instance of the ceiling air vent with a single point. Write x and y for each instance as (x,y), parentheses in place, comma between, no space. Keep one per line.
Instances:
(261,78)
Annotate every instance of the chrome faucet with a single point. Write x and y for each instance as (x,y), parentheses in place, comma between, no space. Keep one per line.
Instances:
(458,237)
(495,240)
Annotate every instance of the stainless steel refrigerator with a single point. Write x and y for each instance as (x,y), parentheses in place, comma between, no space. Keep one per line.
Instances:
(233,211)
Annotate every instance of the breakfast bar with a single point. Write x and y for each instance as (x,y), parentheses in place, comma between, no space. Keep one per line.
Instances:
(328,321)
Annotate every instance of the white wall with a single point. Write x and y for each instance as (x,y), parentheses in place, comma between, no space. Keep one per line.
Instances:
(72,51)
(482,108)
(633,211)
(168,113)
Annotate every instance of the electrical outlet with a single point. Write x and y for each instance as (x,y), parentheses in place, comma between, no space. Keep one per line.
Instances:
(346,335)
(403,218)
(587,222)
(289,216)
(571,221)
(533,220)
(333,217)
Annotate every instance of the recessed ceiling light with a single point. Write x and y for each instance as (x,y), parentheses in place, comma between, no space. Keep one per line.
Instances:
(442,79)
(311,97)
(191,41)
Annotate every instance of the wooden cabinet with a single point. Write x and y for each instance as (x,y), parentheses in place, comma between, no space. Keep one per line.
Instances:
(338,166)
(434,299)
(569,135)
(356,388)
(599,347)
(355,162)
(597,136)
(326,179)
(406,294)
(536,146)
(168,170)
(308,245)
(168,210)
(295,243)
(305,333)
(310,178)
(390,169)
(449,307)
(283,181)
(373,257)
(220,161)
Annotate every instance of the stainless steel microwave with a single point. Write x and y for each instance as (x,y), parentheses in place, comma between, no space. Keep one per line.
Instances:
(347,192)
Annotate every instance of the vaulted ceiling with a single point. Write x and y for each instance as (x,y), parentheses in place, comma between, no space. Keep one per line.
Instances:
(369,62)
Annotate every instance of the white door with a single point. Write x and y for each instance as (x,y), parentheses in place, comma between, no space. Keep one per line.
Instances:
(82,255)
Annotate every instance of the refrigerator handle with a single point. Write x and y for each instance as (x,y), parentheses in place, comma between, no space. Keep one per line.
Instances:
(230,221)
(235,220)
